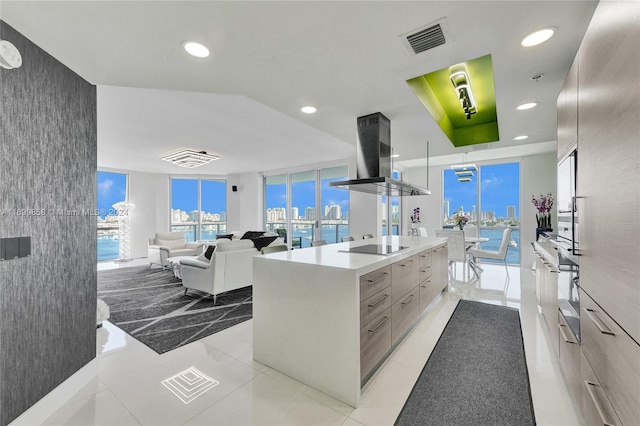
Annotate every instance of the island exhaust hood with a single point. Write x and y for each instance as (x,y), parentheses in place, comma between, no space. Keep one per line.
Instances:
(373,161)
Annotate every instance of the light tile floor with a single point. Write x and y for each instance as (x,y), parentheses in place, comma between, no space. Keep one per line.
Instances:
(126,388)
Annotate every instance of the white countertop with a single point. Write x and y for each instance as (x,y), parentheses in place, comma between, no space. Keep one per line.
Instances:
(335,255)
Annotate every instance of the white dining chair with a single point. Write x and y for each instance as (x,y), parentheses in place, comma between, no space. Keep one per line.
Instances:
(317,243)
(501,254)
(422,231)
(457,252)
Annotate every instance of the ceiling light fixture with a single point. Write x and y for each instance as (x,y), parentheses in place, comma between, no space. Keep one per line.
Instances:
(308,109)
(395,156)
(520,138)
(464,172)
(10,57)
(190,158)
(196,49)
(462,86)
(538,37)
(528,105)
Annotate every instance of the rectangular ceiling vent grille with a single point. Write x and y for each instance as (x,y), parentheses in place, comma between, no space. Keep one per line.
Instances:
(427,37)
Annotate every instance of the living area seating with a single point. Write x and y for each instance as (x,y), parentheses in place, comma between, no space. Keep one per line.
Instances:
(230,267)
(170,244)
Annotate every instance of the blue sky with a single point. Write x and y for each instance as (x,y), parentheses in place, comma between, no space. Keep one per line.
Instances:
(112,188)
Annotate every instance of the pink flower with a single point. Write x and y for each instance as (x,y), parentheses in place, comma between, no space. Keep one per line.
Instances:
(544,203)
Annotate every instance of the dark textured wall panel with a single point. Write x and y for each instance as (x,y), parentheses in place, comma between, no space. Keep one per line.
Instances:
(47,185)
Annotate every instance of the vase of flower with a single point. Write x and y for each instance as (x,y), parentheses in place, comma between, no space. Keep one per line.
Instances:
(415,218)
(543,204)
(461,220)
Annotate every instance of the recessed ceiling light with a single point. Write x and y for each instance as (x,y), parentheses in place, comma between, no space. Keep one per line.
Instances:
(308,109)
(196,49)
(520,138)
(528,105)
(538,37)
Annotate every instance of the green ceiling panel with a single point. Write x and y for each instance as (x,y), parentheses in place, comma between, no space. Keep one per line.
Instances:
(439,97)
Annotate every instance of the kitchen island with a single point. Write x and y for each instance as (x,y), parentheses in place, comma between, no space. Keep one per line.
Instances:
(328,317)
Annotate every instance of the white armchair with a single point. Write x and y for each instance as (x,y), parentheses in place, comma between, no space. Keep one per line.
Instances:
(170,244)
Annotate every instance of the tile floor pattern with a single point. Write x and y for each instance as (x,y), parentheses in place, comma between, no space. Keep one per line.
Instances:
(126,388)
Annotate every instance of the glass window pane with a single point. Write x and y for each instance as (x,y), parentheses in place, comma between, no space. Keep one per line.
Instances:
(303,207)
(500,202)
(184,207)
(275,194)
(112,188)
(335,205)
(395,208)
(459,198)
(213,203)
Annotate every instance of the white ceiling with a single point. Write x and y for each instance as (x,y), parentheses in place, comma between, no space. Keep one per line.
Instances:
(271,58)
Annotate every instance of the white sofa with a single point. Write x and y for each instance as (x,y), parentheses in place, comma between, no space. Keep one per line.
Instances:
(230,267)
(170,244)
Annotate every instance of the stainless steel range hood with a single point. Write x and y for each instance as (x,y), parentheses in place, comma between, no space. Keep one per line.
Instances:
(373,161)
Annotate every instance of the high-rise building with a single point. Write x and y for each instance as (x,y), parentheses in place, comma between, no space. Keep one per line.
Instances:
(446,210)
(310,213)
(295,213)
(333,212)
(276,214)
(511,212)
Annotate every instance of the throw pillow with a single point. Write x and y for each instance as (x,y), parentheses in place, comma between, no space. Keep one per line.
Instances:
(261,242)
(221,236)
(209,252)
(249,235)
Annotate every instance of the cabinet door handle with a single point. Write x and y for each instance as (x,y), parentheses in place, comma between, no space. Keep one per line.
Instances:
(564,334)
(405,264)
(598,322)
(592,393)
(377,279)
(374,329)
(371,305)
(408,299)
(425,286)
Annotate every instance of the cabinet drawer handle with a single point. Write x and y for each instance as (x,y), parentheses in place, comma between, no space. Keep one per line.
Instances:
(405,264)
(592,393)
(378,279)
(374,329)
(564,334)
(382,299)
(409,299)
(425,286)
(598,322)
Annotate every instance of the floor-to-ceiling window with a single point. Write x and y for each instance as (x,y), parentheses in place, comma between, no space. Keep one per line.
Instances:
(490,199)
(198,207)
(112,188)
(391,207)
(303,205)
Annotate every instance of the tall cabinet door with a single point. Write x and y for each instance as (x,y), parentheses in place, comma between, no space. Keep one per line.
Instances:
(609,162)
(568,113)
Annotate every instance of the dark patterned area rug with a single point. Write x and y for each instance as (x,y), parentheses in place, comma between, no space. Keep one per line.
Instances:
(150,305)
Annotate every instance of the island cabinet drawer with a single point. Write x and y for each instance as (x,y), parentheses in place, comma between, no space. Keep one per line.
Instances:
(594,404)
(425,258)
(614,358)
(429,291)
(569,354)
(404,277)
(375,281)
(375,305)
(375,342)
(404,313)
(424,272)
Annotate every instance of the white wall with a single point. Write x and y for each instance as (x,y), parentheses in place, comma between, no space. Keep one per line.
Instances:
(150,195)
(244,207)
(538,176)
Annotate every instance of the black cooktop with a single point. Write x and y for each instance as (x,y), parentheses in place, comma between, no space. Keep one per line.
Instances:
(376,249)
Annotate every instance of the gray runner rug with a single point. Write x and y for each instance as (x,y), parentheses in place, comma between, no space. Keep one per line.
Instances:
(476,374)
(150,305)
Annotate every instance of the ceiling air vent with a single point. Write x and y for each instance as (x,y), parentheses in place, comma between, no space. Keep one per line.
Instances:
(427,37)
